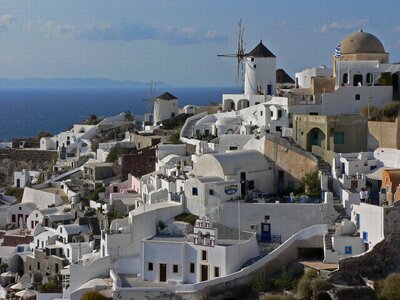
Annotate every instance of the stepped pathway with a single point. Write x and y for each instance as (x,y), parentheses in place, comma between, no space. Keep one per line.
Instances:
(189,125)
(324,167)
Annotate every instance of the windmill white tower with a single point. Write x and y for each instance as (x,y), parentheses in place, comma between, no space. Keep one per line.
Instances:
(260,67)
(165,107)
(260,74)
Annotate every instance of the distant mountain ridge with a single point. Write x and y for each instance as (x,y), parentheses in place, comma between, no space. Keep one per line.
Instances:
(76,83)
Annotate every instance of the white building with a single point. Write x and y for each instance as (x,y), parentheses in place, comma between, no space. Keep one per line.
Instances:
(204,255)
(44,198)
(218,178)
(36,217)
(25,177)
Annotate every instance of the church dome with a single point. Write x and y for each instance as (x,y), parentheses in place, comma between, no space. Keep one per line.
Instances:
(361,42)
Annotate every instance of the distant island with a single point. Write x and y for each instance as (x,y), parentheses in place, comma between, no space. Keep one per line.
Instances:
(76,83)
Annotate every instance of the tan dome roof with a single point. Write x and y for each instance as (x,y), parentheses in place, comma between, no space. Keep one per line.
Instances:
(361,42)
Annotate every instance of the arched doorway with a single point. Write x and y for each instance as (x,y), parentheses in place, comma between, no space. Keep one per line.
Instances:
(243,103)
(16,264)
(229,104)
(315,137)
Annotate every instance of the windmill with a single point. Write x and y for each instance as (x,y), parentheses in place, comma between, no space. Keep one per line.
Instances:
(151,100)
(239,53)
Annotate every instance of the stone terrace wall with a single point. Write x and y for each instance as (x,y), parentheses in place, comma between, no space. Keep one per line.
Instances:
(283,154)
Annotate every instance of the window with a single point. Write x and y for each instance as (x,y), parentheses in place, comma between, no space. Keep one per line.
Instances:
(13,218)
(278,128)
(60,229)
(192,268)
(20,208)
(211,192)
(365,236)
(252,59)
(279,114)
(272,114)
(150,266)
(67,252)
(216,271)
(254,66)
(348,250)
(313,113)
(233,147)
(369,78)
(250,185)
(38,266)
(266,218)
(204,255)
(357,97)
(261,113)
(175,268)
(195,192)
(257,103)
(339,138)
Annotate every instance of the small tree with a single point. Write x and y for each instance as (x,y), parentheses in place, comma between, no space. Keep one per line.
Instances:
(311,183)
(128,116)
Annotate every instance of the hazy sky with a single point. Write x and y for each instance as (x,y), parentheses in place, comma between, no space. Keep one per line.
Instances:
(177,41)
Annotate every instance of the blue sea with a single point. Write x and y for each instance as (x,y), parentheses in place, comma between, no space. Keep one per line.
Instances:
(26,112)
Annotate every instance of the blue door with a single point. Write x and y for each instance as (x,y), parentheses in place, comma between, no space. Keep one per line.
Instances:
(265,232)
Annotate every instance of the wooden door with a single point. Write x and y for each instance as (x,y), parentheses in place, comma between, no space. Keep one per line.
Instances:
(163,272)
(204,272)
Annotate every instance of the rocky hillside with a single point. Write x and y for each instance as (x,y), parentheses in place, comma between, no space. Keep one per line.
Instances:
(15,160)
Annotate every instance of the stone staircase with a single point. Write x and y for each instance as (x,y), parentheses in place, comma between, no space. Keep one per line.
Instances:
(324,167)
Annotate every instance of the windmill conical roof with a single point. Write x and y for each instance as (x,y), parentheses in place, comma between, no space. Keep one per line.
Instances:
(167,96)
(260,51)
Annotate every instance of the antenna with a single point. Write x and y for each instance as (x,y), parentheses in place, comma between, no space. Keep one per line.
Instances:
(239,53)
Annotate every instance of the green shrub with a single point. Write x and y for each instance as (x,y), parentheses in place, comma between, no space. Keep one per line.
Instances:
(94,195)
(320,285)
(161,225)
(258,284)
(287,278)
(116,152)
(391,287)
(278,297)
(53,286)
(93,295)
(15,192)
(188,218)
(304,288)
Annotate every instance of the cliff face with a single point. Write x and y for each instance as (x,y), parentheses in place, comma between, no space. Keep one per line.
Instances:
(376,264)
(12,160)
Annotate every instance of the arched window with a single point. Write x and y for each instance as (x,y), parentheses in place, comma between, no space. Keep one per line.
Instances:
(357,80)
